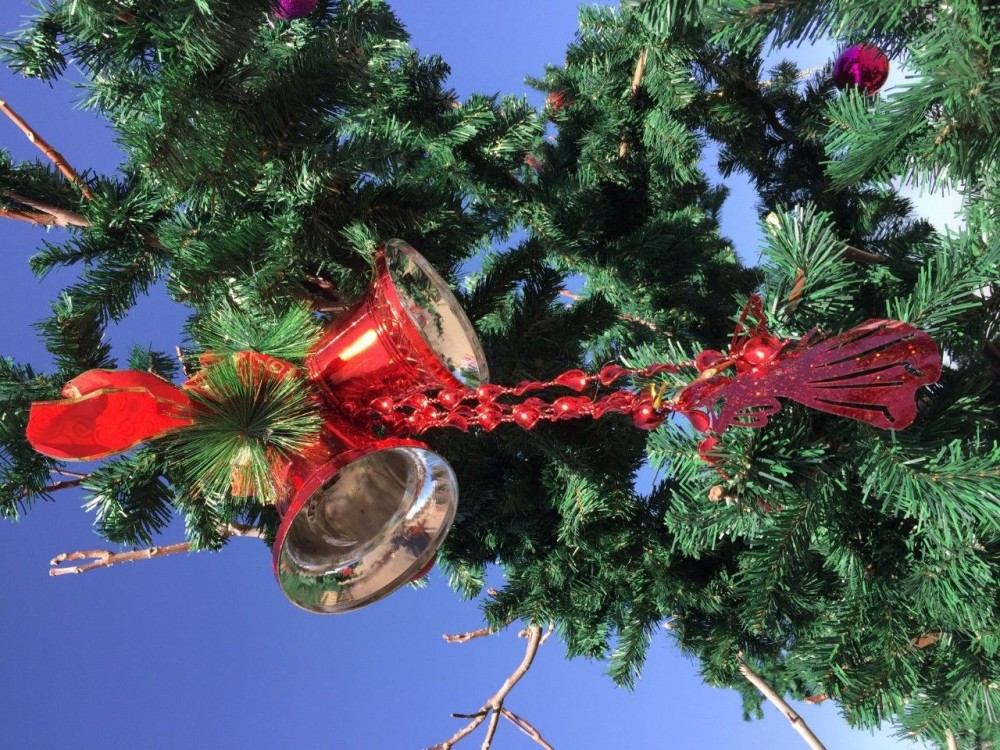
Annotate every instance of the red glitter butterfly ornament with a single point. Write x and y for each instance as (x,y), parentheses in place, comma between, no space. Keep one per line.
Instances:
(869,373)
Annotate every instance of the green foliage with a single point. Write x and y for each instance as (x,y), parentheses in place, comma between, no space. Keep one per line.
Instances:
(25,476)
(264,163)
(231,328)
(248,419)
(75,338)
(129,498)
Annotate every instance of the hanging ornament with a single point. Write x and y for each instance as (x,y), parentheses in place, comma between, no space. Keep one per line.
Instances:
(862,65)
(361,515)
(289,10)
(366,506)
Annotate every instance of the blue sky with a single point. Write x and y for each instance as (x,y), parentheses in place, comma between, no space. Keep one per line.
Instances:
(204,651)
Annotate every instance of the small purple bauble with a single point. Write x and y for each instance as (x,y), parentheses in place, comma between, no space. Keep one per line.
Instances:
(289,9)
(863,66)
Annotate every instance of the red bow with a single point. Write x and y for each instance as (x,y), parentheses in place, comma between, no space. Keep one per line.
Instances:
(105,412)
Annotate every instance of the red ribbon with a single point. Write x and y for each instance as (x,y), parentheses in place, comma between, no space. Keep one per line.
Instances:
(105,412)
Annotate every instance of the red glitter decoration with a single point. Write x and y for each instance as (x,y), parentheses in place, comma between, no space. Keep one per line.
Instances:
(869,373)
(491,405)
(556,101)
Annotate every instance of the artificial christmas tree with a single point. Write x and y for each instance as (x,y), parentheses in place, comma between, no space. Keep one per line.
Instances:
(266,162)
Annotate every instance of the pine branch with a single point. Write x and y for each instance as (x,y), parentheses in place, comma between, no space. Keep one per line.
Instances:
(494,706)
(624,316)
(798,724)
(103,558)
(54,156)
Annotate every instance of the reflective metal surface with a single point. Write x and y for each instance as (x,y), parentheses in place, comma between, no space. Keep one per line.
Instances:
(355,534)
(436,313)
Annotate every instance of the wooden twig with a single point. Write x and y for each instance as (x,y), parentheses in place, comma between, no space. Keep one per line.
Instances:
(55,486)
(491,728)
(45,214)
(768,7)
(102,558)
(469,636)
(640,71)
(794,298)
(68,473)
(926,639)
(864,258)
(57,216)
(525,727)
(798,724)
(494,705)
(949,737)
(54,156)
(32,217)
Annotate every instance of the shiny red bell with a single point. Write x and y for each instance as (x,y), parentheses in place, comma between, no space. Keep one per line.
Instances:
(362,516)
(407,335)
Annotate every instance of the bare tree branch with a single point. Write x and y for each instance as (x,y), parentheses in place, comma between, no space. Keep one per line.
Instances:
(466,637)
(59,217)
(525,727)
(949,737)
(863,257)
(32,217)
(494,705)
(55,486)
(491,729)
(640,71)
(68,473)
(103,558)
(54,156)
(798,724)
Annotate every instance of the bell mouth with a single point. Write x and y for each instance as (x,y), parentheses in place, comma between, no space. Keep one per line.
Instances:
(436,314)
(355,533)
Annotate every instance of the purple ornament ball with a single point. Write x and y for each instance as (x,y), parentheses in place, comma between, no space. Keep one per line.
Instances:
(290,9)
(863,66)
